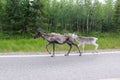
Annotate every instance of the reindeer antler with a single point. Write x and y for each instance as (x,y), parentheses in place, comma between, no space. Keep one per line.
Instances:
(38,30)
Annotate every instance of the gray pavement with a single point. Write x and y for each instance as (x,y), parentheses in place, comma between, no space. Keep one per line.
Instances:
(73,67)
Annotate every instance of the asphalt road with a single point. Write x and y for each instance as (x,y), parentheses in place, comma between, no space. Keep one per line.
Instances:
(73,67)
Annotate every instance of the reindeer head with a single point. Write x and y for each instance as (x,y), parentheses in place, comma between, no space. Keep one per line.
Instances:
(39,34)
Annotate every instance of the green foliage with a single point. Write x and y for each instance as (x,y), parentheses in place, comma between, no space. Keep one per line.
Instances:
(84,16)
(105,41)
(117,16)
(80,15)
(24,45)
(15,36)
(22,15)
(19,20)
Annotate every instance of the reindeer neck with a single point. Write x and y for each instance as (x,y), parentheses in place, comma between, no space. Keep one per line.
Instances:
(45,36)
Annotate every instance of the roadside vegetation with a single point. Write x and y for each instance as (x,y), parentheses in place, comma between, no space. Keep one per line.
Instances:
(20,19)
(28,44)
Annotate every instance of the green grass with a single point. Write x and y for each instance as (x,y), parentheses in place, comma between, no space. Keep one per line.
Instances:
(105,41)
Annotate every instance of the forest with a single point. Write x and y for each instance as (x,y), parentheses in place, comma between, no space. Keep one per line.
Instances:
(19,20)
(83,16)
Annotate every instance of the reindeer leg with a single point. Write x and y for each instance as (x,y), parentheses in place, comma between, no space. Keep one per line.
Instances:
(96,46)
(77,48)
(47,48)
(69,50)
(83,46)
(53,50)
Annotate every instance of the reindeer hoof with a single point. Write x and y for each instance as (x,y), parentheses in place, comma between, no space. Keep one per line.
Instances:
(80,54)
(52,55)
(66,55)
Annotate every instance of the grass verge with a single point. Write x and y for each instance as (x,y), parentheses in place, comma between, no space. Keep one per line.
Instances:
(105,41)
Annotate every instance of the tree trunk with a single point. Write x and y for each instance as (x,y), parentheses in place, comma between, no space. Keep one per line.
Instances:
(87,25)
(77,26)
(24,30)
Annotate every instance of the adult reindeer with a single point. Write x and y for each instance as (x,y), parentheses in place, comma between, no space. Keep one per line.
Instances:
(55,38)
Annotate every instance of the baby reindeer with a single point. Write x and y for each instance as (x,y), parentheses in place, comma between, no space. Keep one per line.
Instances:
(86,40)
(56,38)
